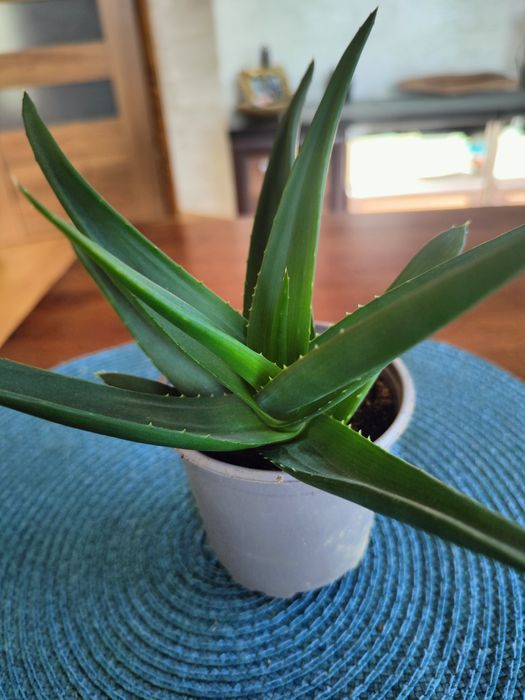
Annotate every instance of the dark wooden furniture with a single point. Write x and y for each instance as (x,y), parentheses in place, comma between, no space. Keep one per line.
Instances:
(359,256)
(252,138)
(428,113)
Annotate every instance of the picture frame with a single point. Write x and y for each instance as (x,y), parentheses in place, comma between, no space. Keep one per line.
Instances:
(264,90)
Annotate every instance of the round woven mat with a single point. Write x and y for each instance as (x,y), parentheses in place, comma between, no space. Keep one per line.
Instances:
(109,590)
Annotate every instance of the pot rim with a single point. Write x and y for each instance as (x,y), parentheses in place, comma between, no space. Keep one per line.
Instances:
(407,392)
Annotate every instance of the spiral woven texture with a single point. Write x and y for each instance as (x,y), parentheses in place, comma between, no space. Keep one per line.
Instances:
(110,591)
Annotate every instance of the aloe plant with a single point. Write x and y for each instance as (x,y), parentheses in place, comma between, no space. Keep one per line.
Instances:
(260,380)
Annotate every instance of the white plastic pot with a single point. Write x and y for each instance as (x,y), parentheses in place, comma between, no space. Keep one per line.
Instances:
(277,535)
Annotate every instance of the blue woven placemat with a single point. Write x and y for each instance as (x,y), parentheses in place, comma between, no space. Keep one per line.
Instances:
(109,590)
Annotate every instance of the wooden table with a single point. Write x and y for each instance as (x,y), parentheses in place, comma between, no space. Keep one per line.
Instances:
(359,255)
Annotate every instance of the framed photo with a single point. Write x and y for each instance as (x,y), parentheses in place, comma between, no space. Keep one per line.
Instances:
(264,90)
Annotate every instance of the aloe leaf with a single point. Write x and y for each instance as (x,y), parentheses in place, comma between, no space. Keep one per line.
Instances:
(280,320)
(439,249)
(158,340)
(334,458)
(201,423)
(92,215)
(345,409)
(283,154)
(130,382)
(445,246)
(249,365)
(293,240)
(367,340)
(177,355)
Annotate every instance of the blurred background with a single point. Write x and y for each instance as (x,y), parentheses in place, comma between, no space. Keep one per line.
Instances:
(169,108)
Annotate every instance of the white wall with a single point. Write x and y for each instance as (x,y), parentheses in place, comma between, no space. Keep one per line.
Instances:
(195,114)
(410,38)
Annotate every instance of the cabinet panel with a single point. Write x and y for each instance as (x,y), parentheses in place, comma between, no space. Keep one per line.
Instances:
(83,63)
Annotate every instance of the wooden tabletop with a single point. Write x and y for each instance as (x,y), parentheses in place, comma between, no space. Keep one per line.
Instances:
(359,256)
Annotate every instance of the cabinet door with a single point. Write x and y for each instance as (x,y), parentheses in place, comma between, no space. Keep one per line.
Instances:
(81,60)
(83,63)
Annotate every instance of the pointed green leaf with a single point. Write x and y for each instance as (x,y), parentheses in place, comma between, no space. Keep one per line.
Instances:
(375,334)
(345,409)
(157,338)
(176,354)
(445,246)
(249,365)
(281,160)
(130,382)
(92,215)
(439,249)
(295,231)
(336,459)
(201,423)
(280,321)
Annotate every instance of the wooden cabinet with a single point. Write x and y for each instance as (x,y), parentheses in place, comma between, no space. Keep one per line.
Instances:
(83,63)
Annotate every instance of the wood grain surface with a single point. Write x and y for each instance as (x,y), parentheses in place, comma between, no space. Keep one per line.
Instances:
(26,273)
(359,255)
(55,65)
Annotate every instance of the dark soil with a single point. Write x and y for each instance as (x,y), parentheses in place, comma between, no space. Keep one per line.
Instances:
(244,458)
(377,412)
(372,418)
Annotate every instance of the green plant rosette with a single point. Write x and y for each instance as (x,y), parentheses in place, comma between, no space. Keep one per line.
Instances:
(262,380)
